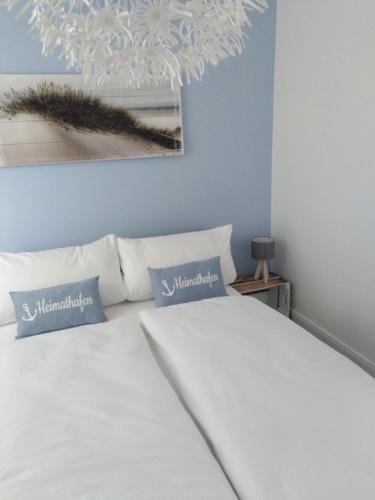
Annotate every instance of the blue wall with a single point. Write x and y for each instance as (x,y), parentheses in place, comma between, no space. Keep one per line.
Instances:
(224,176)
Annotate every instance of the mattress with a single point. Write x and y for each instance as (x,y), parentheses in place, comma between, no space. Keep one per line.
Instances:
(288,417)
(86,414)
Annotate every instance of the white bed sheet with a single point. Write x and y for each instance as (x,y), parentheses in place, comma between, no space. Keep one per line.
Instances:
(288,417)
(86,414)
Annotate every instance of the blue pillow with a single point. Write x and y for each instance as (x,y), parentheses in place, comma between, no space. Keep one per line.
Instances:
(58,307)
(188,282)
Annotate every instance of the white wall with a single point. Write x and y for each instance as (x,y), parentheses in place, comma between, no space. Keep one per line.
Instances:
(323,192)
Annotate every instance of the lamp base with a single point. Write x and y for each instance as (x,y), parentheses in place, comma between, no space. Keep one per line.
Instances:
(262,271)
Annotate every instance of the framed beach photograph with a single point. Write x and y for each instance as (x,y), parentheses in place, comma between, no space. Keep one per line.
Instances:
(57,118)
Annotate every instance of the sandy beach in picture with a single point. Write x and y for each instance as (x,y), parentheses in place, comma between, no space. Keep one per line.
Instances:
(57,118)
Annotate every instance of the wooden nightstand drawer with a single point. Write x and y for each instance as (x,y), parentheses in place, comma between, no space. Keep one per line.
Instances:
(275,293)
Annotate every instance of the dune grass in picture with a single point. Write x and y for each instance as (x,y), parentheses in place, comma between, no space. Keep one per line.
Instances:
(53,119)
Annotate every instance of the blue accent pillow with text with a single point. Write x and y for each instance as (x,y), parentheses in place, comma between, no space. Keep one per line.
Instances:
(58,307)
(187,282)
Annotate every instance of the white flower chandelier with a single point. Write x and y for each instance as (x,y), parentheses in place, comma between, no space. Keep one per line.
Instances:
(136,42)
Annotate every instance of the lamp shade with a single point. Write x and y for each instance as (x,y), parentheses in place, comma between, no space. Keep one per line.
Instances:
(263,248)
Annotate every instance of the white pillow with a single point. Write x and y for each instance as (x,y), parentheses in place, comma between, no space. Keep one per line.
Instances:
(33,270)
(137,255)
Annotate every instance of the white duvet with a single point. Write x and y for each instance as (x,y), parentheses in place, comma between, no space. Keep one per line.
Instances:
(288,417)
(86,414)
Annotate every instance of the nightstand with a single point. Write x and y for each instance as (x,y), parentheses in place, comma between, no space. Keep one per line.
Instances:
(275,293)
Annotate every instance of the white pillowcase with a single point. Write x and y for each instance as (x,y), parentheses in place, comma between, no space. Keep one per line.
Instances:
(33,270)
(137,255)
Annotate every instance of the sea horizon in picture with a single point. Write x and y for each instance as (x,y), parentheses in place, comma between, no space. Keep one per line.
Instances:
(46,119)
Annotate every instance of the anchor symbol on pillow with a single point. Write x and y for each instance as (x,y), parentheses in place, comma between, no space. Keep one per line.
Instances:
(29,317)
(168,292)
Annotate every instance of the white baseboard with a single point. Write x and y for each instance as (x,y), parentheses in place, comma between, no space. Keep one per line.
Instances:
(327,337)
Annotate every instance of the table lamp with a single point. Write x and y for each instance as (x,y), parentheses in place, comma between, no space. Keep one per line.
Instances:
(262,250)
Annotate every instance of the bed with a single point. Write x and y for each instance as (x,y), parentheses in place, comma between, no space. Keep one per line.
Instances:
(288,417)
(86,414)
(223,398)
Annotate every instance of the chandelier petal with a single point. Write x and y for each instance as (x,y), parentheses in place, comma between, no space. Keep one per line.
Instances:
(136,42)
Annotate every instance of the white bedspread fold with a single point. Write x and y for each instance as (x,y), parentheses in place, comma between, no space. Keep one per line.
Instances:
(86,414)
(288,417)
